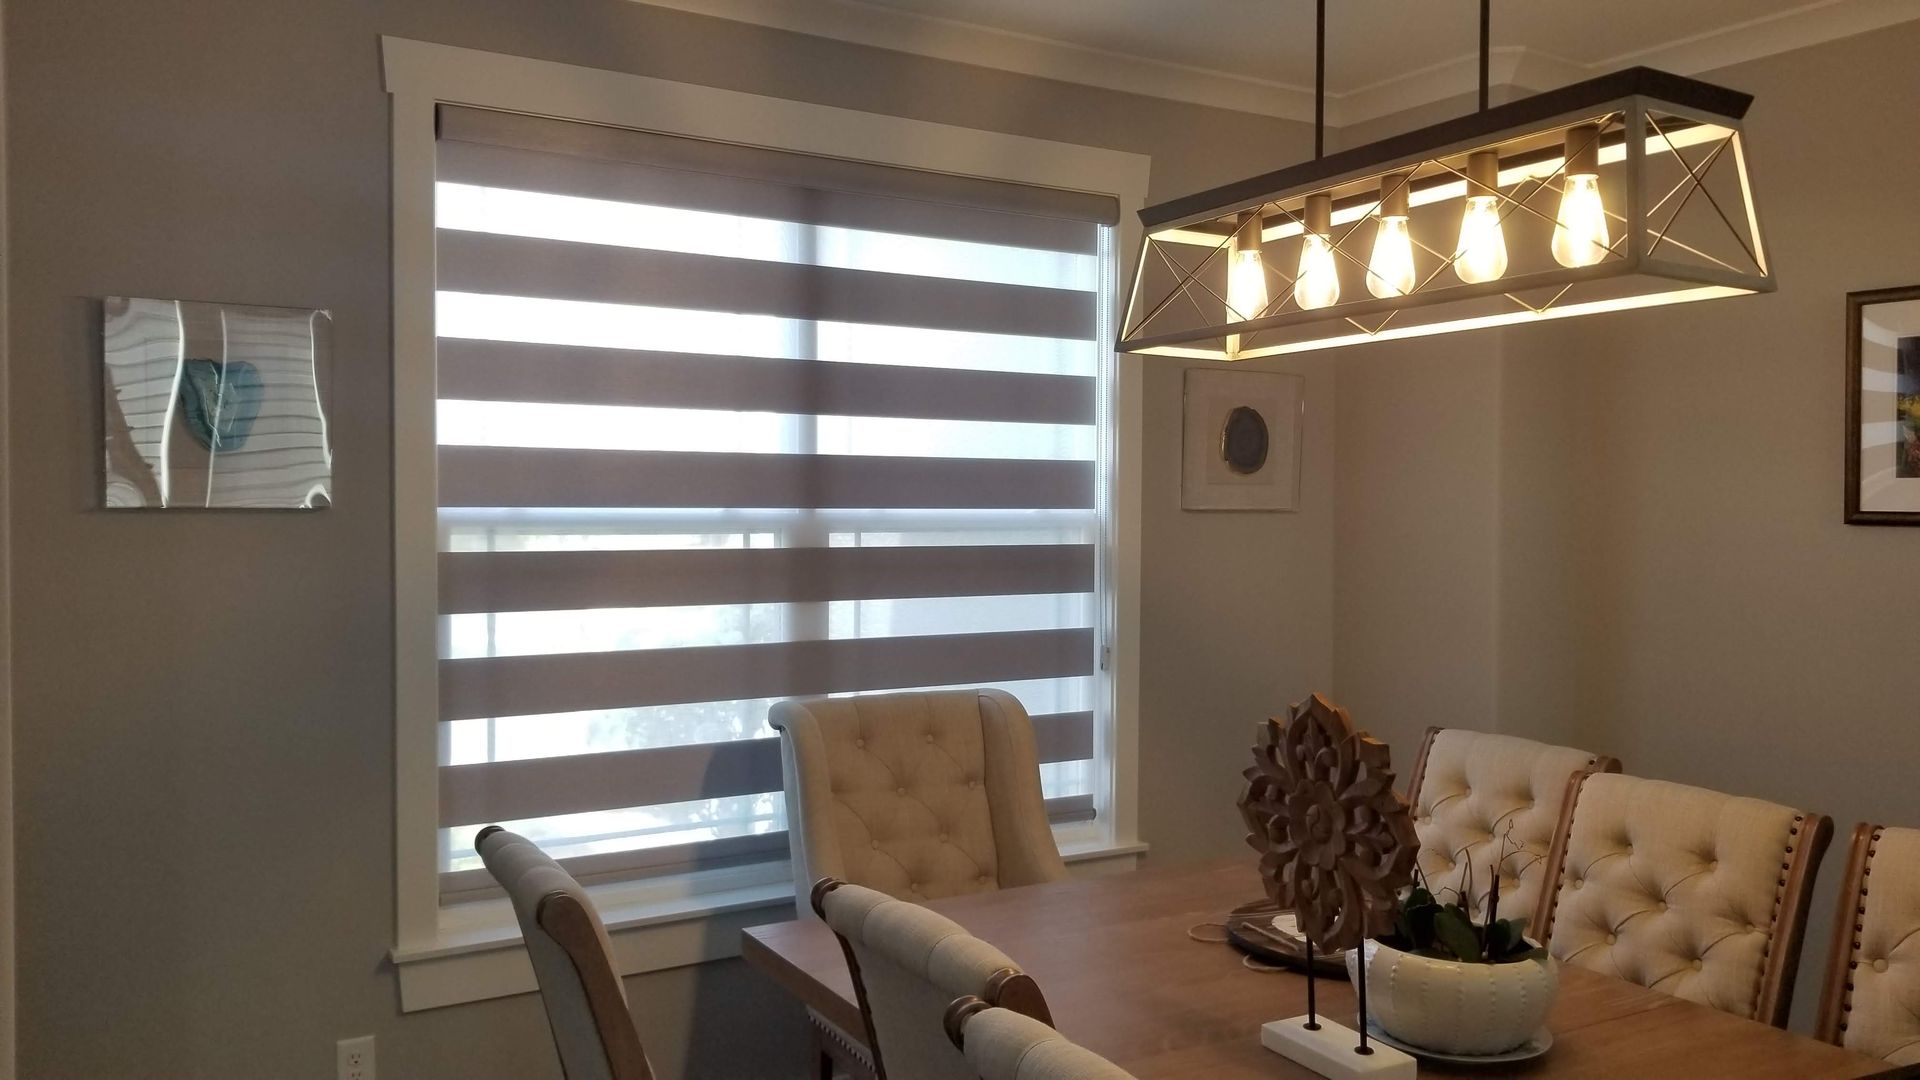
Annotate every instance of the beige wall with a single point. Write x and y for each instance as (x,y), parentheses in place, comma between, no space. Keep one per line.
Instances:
(1619,531)
(1672,582)
(1414,611)
(204,730)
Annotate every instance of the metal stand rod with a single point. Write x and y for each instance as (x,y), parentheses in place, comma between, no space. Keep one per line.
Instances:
(1313,1018)
(1486,39)
(1320,79)
(1360,990)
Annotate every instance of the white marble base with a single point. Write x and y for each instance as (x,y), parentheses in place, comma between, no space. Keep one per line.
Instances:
(1329,1051)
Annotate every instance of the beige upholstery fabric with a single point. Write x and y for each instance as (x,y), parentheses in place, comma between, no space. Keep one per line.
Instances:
(1472,788)
(918,795)
(1001,1044)
(911,964)
(529,877)
(1675,888)
(1881,1016)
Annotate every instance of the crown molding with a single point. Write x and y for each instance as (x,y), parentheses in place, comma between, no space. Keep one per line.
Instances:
(1511,67)
(1796,28)
(1004,50)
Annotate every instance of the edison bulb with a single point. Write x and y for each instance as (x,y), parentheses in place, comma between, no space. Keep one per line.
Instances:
(1580,232)
(1246,286)
(1482,252)
(1318,285)
(1390,270)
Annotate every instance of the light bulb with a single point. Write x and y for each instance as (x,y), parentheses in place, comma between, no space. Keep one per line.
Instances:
(1318,284)
(1246,285)
(1482,252)
(1580,230)
(1483,248)
(1390,270)
(1246,276)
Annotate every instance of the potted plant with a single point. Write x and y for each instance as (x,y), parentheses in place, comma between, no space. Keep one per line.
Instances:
(1444,982)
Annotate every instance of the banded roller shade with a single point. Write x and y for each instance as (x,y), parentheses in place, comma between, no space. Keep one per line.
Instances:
(721,425)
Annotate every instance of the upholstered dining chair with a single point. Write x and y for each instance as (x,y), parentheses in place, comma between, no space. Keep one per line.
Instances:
(918,795)
(572,961)
(908,964)
(1481,798)
(1691,892)
(1001,1044)
(1871,1003)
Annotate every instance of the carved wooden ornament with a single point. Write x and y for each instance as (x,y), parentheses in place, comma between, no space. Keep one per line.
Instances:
(1336,841)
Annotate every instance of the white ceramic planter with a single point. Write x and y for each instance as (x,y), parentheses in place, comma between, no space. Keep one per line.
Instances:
(1456,1008)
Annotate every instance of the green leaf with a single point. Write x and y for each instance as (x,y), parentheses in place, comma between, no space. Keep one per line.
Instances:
(1499,938)
(1516,946)
(1455,933)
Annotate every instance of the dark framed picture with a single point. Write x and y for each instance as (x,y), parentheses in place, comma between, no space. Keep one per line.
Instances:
(1883,407)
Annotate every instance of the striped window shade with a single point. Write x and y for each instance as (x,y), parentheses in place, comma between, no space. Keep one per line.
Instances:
(720,425)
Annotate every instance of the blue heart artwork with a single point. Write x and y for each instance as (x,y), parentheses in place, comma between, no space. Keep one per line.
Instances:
(221,401)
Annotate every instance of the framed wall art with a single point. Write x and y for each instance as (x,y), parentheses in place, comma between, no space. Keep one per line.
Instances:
(215,406)
(1241,440)
(1883,407)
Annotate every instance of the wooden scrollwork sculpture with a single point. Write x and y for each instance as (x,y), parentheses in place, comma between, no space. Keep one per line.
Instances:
(1336,841)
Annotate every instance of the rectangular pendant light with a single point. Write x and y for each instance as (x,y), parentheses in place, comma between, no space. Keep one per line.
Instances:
(1626,191)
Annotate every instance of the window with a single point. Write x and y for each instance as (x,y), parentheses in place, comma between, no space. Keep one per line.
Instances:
(720,425)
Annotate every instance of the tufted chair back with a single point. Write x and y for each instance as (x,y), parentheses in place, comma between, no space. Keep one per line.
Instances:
(572,961)
(1001,1044)
(1468,788)
(1872,999)
(908,964)
(918,795)
(1688,891)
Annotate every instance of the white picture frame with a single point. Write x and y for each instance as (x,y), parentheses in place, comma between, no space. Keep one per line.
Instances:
(1241,440)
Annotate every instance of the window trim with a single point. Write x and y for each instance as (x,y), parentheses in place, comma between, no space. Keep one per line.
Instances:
(419,76)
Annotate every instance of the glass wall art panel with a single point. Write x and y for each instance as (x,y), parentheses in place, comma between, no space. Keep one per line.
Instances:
(215,406)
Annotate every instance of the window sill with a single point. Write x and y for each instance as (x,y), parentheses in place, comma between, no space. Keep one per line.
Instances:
(653,926)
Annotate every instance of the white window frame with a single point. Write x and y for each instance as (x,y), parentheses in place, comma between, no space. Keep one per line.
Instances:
(471,952)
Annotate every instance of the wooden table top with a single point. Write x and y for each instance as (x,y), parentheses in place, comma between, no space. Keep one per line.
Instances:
(1123,979)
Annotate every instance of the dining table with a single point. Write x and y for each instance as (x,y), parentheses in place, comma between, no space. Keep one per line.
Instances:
(1125,971)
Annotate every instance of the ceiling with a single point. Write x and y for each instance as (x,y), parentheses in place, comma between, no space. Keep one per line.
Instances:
(1382,55)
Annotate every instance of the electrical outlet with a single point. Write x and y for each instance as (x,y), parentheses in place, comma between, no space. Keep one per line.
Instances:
(353,1058)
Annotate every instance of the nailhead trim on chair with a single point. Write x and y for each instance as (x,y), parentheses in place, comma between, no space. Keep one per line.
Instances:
(1779,899)
(1859,927)
(1560,872)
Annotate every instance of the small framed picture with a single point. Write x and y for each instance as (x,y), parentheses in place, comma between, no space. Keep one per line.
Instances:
(1241,441)
(1883,407)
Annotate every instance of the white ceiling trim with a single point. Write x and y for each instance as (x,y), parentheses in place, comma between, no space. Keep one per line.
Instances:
(1796,28)
(1022,54)
(1514,67)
